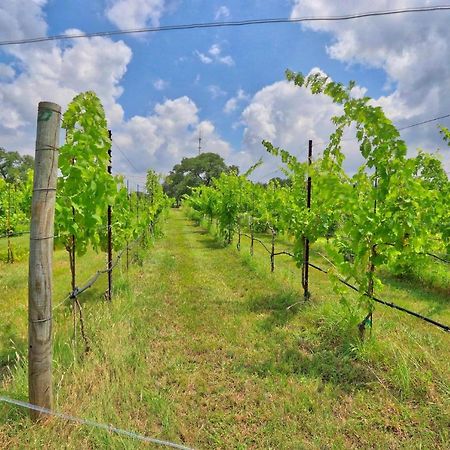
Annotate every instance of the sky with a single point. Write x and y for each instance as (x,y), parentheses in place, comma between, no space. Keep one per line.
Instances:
(162,90)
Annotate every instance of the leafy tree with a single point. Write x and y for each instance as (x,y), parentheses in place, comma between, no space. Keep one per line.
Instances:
(194,172)
(14,167)
(284,182)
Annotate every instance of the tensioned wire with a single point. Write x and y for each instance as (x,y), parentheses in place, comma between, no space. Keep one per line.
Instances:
(237,23)
(94,424)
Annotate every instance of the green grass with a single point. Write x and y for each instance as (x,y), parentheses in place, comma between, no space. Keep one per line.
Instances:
(199,347)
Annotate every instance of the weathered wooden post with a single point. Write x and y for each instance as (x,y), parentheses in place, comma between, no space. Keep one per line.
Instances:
(41,257)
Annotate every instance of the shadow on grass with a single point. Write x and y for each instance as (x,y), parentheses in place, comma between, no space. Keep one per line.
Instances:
(209,241)
(327,364)
(200,231)
(276,307)
(11,345)
(435,296)
(91,296)
(325,349)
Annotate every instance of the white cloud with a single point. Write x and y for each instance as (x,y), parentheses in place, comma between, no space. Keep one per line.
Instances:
(214,50)
(126,14)
(216,91)
(51,72)
(222,13)
(6,72)
(227,60)
(170,133)
(57,73)
(21,18)
(160,84)
(232,103)
(288,116)
(203,58)
(412,49)
(96,64)
(215,55)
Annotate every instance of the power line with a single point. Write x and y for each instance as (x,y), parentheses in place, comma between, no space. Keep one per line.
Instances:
(132,175)
(126,157)
(237,23)
(434,119)
(424,122)
(273,172)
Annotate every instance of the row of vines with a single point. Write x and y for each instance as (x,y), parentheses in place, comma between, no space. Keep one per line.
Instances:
(392,211)
(86,189)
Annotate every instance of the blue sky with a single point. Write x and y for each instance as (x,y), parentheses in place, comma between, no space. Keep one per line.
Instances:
(159,90)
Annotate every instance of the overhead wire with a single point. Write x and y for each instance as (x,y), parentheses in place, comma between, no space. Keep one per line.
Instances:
(423,122)
(224,24)
(406,127)
(126,157)
(273,172)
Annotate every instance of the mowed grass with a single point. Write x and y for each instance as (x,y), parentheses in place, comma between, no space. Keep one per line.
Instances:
(199,347)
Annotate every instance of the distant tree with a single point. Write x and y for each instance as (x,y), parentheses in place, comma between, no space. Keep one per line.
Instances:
(13,166)
(280,181)
(193,172)
(234,169)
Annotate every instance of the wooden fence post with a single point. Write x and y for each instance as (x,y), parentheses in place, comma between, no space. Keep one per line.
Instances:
(41,257)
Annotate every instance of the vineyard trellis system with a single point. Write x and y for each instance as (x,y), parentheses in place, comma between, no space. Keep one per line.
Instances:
(393,210)
(77,219)
(354,288)
(390,199)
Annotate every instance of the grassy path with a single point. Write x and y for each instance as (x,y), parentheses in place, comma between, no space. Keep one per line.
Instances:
(198,347)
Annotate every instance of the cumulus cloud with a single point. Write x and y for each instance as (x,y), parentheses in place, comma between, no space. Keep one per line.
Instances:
(222,12)
(57,73)
(20,19)
(126,14)
(412,49)
(52,72)
(169,133)
(214,54)
(6,72)
(232,104)
(288,116)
